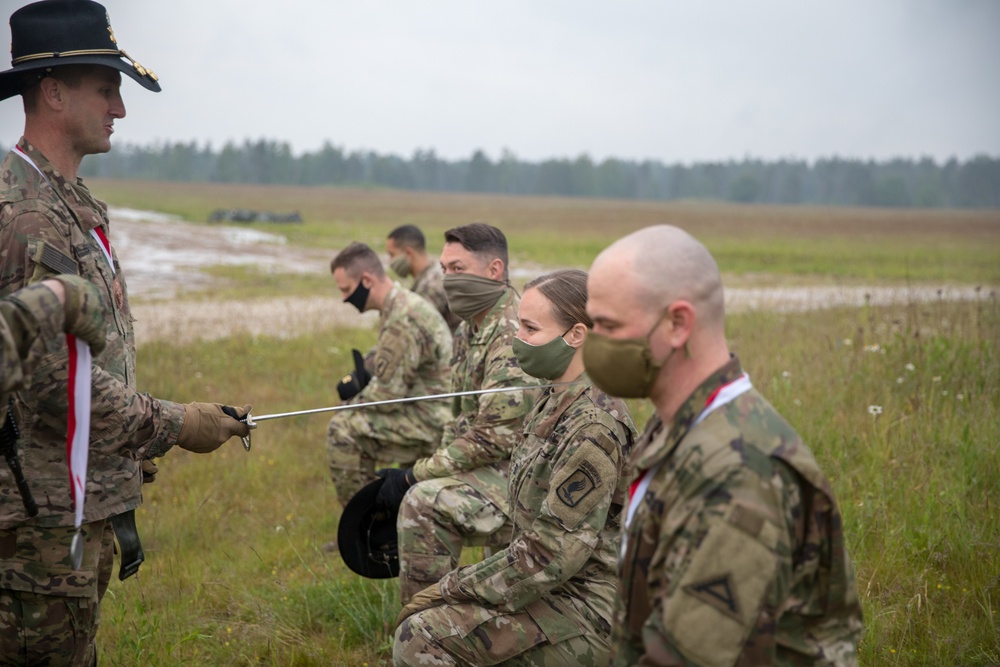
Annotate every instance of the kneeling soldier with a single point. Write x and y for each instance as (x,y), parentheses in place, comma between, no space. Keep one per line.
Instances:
(411,359)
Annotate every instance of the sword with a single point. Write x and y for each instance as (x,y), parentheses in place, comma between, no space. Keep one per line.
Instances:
(252,421)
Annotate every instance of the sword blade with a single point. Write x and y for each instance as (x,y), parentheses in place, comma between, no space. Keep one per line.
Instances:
(253,420)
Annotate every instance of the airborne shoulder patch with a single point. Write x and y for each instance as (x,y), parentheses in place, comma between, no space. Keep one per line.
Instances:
(586,479)
(578,485)
(718,593)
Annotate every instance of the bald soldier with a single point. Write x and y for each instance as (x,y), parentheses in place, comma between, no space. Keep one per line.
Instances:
(407,250)
(732,549)
(412,358)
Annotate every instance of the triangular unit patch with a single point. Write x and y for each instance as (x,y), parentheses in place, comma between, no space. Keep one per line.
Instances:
(717,593)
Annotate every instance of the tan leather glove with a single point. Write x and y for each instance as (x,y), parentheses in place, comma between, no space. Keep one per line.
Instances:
(206,427)
(149,470)
(425,599)
(86,309)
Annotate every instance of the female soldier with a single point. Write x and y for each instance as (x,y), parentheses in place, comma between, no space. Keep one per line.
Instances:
(548,597)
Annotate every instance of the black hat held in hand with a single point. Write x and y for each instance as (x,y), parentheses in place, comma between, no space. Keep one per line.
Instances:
(367,536)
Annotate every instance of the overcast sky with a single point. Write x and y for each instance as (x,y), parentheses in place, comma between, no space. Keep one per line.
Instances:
(673,81)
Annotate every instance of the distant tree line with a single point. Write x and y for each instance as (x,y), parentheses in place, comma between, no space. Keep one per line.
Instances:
(974,183)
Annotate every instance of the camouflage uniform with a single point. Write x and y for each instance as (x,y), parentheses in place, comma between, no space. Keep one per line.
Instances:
(430,285)
(411,359)
(462,494)
(46,608)
(735,554)
(548,598)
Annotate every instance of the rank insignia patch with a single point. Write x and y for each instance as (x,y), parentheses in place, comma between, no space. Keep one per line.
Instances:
(577,486)
(717,593)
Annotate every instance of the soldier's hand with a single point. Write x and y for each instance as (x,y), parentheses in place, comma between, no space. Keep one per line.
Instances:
(207,426)
(149,471)
(352,383)
(397,483)
(426,599)
(86,311)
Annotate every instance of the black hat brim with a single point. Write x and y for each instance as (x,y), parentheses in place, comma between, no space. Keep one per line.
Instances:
(11,80)
(366,536)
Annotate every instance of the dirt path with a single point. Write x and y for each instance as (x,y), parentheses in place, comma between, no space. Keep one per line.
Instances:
(162,257)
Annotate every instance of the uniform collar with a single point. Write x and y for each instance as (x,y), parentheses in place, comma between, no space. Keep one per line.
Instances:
(73,194)
(658,441)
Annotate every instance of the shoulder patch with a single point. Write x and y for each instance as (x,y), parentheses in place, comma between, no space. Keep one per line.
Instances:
(717,592)
(578,485)
(586,479)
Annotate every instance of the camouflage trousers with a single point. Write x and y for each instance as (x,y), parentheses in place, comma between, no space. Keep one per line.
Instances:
(468,634)
(440,516)
(357,440)
(49,612)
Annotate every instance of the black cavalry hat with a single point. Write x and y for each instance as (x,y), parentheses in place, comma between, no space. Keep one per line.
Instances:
(367,536)
(65,32)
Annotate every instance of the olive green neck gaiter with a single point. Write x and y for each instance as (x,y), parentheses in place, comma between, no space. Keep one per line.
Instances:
(469,295)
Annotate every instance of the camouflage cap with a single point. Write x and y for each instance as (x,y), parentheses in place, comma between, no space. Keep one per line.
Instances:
(51,33)
(367,536)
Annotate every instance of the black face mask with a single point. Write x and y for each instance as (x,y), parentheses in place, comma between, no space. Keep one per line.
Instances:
(359,297)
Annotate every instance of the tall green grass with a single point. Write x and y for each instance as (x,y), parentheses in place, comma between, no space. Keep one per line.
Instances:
(236,574)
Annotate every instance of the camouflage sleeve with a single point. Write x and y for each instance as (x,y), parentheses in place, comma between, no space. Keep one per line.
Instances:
(490,433)
(394,365)
(30,323)
(717,572)
(564,534)
(121,417)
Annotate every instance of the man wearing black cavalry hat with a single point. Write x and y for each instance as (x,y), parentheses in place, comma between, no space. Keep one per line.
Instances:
(67,66)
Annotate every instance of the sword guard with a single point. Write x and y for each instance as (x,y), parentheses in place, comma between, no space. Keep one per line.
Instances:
(251,424)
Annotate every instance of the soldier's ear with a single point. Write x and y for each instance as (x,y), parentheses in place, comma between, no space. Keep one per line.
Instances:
(495,269)
(51,93)
(576,335)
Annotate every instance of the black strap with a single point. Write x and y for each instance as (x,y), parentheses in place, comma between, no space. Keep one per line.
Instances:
(128,542)
(9,435)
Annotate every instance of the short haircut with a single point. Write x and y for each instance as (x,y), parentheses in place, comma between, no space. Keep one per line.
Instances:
(70,75)
(485,241)
(566,290)
(357,258)
(409,236)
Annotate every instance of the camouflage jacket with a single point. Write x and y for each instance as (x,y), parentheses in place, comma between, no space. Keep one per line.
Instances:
(412,358)
(26,336)
(567,486)
(45,224)
(735,554)
(486,428)
(430,285)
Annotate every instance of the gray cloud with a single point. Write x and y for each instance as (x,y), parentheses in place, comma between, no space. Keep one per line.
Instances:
(644,79)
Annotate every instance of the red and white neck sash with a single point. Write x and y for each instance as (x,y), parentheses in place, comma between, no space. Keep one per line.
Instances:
(720,397)
(78,409)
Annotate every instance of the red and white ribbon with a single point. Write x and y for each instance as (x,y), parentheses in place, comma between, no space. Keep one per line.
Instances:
(78,390)
(102,240)
(78,421)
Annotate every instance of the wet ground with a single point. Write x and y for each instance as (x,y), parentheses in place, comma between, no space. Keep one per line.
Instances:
(162,258)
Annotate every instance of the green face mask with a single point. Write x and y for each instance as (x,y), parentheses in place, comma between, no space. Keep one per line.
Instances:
(469,295)
(401,266)
(546,361)
(623,368)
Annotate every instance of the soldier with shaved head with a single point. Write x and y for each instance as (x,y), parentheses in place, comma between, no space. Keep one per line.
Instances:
(732,549)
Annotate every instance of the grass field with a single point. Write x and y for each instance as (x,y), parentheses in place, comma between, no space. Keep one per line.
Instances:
(900,404)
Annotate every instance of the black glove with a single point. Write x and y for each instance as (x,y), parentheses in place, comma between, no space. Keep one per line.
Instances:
(357,380)
(397,482)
